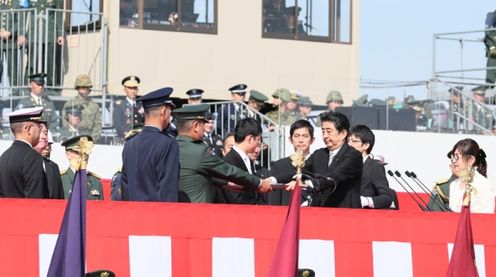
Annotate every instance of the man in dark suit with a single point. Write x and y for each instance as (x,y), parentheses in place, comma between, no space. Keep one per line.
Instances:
(198,166)
(150,159)
(21,167)
(52,171)
(375,192)
(340,163)
(247,137)
(301,137)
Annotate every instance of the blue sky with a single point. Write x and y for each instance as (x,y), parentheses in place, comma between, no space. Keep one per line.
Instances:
(396,40)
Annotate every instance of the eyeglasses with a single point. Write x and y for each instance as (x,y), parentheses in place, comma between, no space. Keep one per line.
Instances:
(455,158)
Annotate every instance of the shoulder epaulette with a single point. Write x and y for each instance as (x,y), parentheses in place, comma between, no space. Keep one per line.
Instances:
(441,194)
(63,172)
(131,134)
(94,175)
(441,182)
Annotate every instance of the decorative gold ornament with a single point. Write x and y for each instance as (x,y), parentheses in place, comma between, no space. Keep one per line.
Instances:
(467,177)
(298,160)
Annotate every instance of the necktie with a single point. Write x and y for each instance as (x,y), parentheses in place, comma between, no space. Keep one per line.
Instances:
(331,156)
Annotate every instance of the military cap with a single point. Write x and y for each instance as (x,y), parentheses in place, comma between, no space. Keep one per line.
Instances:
(27,114)
(334,96)
(293,10)
(481,90)
(75,110)
(238,89)
(377,103)
(278,91)
(211,116)
(285,95)
(305,101)
(131,81)
(73,143)
(456,90)
(195,93)
(38,78)
(192,112)
(361,101)
(83,81)
(258,96)
(409,99)
(101,273)
(294,96)
(158,97)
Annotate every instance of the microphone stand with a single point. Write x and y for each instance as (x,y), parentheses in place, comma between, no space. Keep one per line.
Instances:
(422,200)
(413,198)
(441,205)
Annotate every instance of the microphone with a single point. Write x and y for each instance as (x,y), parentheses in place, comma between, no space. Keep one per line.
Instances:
(411,195)
(438,202)
(421,199)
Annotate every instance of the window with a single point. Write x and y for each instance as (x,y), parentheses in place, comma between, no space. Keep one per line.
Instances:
(171,15)
(84,14)
(307,20)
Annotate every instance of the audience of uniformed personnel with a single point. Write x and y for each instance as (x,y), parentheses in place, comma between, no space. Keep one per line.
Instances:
(230,114)
(150,159)
(52,171)
(195,96)
(91,116)
(38,98)
(72,117)
(128,113)
(281,97)
(72,153)
(198,166)
(21,167)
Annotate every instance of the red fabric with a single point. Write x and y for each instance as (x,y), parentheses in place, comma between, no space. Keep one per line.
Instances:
(285,260)
(462,263)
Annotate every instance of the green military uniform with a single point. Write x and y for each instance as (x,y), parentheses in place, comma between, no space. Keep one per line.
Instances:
(441,195)
(67,132)
(282,118)
(95,188)
(91,117)
(54,24)
(490,42)
(198,166)
(482,115)
(94,185)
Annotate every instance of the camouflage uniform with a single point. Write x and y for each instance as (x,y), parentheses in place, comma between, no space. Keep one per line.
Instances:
(91,118)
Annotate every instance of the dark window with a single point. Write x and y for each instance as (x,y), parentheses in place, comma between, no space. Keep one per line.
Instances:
(319,20)
(171,15)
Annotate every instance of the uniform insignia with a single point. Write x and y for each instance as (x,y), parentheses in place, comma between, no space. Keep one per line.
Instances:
(118,102)
(441,182)
(94,175)
(63,172)
(95,192)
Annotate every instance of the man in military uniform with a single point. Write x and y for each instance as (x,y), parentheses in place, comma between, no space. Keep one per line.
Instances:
(128,114)
(150,167)
(230,114)
(305,107)
(198,165)
(95,189)
(281,96)
(38,98)
(195,96)
(91,117)
(256,102)
(51,43)
(334,100)
(481,114)
(490,42)
(291,114)
(21,167)
(212,140)
(72,117)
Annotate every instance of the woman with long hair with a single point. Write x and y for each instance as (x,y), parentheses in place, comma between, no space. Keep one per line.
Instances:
(467,159)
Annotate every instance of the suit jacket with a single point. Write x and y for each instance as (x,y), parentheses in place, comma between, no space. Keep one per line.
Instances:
(375,184)
(283,171)
(54,182)
(345,170)
(199,168)
(21,172)
(244,197)
(150,167)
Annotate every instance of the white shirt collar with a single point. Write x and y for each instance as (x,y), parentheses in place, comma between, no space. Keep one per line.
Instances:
(245,157)
(130,100)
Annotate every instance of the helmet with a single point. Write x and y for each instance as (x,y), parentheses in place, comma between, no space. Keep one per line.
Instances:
(334,96)
(84,81)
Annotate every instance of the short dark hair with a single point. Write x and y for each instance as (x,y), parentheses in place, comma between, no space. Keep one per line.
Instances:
(246,127)
(302,123)
(340,120)
(230,134)
(364,134)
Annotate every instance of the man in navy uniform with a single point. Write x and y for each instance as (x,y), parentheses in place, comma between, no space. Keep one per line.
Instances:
(232,113)
(21,167)
(128,113)
(195,96)
(150,160)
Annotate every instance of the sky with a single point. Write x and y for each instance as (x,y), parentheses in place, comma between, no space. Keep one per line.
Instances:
(396,40)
